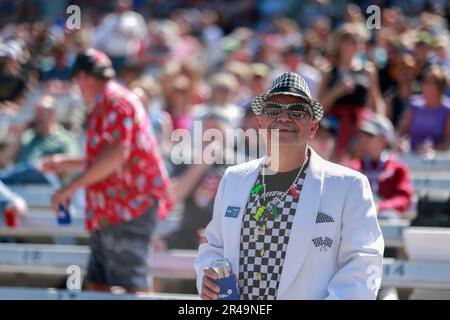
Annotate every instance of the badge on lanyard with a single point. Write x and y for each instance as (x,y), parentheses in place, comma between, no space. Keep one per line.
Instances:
(232,212)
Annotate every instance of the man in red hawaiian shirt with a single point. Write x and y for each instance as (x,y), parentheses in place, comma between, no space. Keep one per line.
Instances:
(124,177)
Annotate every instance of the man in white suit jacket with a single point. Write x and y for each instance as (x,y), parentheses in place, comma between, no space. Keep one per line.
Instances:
(334,246)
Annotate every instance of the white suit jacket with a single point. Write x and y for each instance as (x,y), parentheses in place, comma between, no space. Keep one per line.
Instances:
(350,269)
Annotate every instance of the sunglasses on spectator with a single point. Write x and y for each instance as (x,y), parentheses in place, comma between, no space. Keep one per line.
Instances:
(368,134)
(296,110)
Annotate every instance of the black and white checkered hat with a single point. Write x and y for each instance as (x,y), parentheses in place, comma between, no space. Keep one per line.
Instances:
(289,83)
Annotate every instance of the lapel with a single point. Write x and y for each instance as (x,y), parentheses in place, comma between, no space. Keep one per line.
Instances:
(304,221)
(239,192)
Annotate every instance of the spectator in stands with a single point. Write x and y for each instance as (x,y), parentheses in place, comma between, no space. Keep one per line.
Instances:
(254,147)
(443,53)
(42,137)
(195,185)
(293,61)
(259,76)
(396,79)
(182,82)
(60,68)
(148,90)
(223,88)
(426,123)
(186,46)
(130,72)
(277,257)
(193,70)
(123,175)
(324,142)
(8,115)
(211,35)
(242,72)
(315,42)
(178,102)
(389,178)
(349,91)
(55,81)
(156,49)
(120,33)
(423,55)
(13,76)
(259,79)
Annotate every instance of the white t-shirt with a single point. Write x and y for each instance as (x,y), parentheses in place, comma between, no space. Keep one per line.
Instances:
(119,35)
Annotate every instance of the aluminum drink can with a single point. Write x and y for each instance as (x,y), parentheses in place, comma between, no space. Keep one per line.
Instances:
(227,280)
(63,215)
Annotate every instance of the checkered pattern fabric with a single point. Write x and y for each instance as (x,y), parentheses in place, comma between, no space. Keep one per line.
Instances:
(323,243)
(323,218)
(293,81)
(263,246)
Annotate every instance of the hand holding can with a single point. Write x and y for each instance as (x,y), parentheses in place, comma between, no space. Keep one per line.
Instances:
(226,280)
(210,290)
(63,215)
(10,214)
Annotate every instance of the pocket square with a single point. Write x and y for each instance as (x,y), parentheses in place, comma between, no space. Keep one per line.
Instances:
(322,243)
(323,217)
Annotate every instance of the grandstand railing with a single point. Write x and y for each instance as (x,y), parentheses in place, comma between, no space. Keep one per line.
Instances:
(440,161)
(54,259)
(35,226)
(13,293)
(416,274)
(44,225)
(51,259)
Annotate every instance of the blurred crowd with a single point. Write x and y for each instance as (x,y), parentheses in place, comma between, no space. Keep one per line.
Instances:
(206,60)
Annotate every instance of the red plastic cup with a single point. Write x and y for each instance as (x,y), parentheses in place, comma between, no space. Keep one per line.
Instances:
(11,218)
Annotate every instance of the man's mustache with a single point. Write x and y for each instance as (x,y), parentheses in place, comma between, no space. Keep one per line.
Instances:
(281,126)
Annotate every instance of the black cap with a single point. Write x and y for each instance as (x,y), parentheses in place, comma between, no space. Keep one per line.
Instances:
(95,63)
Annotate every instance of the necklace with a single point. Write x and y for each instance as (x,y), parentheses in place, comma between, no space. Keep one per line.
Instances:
(271,207)
(260,228)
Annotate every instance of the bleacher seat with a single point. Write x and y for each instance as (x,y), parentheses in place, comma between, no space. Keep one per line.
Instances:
(54,259)
(440,161)
(12,293)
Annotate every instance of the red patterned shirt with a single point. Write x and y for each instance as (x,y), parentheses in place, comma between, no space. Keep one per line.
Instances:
(120,118)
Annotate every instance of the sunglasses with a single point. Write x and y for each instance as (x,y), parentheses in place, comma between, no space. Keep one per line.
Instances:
(367,134)
(296,110)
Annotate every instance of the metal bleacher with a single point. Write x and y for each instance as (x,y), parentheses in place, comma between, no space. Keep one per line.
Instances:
(46,265)
(439,161)
(36,226)
(20,262)
(51,261)
(428,173)
(28,268)
(44,259)
(429,278)
(36,195)
(416,274)
(9,293)
(40,257)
